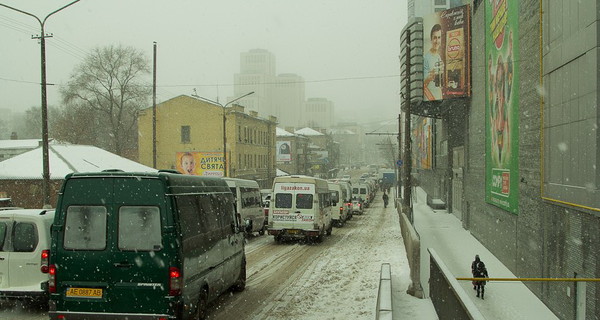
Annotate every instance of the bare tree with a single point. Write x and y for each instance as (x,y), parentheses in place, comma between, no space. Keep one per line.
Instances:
(110,86)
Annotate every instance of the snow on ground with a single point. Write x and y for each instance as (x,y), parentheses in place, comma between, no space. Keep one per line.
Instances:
(457,248)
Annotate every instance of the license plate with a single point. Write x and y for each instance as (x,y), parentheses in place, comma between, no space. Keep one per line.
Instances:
(293,231)
(84,293)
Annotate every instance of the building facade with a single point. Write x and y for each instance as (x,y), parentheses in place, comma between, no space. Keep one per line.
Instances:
(292,152)
(318,113)
(190,139)
(522,156)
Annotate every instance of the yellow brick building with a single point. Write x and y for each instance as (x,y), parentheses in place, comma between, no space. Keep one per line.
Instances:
(189,139)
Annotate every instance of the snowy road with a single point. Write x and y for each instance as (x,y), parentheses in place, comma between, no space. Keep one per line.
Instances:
(336,279)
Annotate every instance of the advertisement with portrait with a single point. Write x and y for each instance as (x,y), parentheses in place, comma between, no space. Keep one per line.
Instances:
(200,163)
(446,54)
(502,104)
(423,137)
(284,151)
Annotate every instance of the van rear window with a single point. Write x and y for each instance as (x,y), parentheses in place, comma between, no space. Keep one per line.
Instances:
(85,228)
(283,200)
(139,228)
(363,190)
(304,201)
(25,237)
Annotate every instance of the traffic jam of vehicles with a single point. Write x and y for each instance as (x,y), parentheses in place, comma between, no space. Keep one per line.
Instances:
(176,240)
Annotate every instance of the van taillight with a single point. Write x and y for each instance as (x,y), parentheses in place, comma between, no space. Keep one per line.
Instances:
(44,262)
(341,208)
(174,281)
(52,278)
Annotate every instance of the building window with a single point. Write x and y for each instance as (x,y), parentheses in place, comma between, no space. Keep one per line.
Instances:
(185,134)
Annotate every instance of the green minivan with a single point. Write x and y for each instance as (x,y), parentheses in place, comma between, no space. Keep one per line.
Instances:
(143,246)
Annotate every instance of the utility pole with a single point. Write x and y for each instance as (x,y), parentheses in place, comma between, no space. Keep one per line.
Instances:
(154,110)
(45,155)
(407,162)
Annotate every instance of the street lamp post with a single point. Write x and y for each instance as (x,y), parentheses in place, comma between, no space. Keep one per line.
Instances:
(45,156)
(225,130)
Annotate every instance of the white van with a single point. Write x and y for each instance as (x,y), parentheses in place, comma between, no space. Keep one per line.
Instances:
(248,203)
(339,212)
(301,207)
(24,251)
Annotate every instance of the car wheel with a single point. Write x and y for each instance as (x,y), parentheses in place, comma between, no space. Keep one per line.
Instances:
(240,284)
(202,307)
(261,231)
(330,229)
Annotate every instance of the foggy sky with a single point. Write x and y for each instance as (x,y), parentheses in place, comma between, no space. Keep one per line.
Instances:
(333,44)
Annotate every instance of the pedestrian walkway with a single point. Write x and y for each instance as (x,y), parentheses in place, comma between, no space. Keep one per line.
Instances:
(443,232)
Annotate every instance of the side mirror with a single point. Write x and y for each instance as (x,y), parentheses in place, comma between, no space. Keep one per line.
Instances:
(238,223)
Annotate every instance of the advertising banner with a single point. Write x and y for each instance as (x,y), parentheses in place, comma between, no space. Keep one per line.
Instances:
(446,55)
(423,137)
(201,163)
(502,104)
(284,151)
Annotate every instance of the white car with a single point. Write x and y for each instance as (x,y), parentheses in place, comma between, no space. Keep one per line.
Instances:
(24,253)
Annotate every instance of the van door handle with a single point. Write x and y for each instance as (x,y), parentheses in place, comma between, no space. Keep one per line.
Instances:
(122,264)
(297,211)
(2,259)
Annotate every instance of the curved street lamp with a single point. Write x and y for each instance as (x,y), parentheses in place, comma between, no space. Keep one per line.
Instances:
(224,126)
(45,157)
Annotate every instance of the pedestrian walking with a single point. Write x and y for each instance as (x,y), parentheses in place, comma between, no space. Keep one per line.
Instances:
(479,270)
(386,199)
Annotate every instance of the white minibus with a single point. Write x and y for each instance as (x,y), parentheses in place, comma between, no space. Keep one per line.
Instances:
(248,203)
(300,208)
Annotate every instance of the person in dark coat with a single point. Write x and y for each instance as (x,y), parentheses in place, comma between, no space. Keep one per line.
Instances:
(479,270)
(386,198)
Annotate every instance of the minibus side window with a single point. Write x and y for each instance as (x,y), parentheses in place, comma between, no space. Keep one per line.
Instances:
(304,201)
(85,228)
(283,200)
(224,208)
(25,237)
(139,228)
(2,235)
(354,190)
(363,190)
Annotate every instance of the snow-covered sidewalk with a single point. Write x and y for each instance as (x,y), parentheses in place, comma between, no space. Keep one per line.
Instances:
(443,232)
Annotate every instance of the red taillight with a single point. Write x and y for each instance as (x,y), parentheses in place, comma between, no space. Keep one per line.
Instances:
(52,278)
(174,281)
(266,211)
(341,208)
(44,261)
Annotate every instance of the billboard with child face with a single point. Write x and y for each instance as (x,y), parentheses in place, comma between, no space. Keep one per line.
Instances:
(200,163)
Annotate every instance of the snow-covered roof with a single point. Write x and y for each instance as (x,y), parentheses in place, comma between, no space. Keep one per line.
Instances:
(20,144)
(65,159)
(308,132)
(282,173)
(341,131)
(283,133)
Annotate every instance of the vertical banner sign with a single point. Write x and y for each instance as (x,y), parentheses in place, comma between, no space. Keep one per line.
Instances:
(502,104)
(200,163)
(446,60)
(284,151)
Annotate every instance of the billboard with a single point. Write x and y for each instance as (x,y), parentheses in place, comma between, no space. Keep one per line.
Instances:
(284,151)
(423,137)
(502,104)
(200,163)
(446,54)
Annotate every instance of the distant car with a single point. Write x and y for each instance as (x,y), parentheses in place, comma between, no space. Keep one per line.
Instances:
(346,177)
(24,253)
(357,207)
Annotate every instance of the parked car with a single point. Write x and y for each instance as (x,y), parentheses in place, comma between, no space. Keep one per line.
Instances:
(143,246)
(24,250)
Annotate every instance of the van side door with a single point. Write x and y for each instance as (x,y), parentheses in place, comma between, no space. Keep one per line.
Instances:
(25,257)
(233,237)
